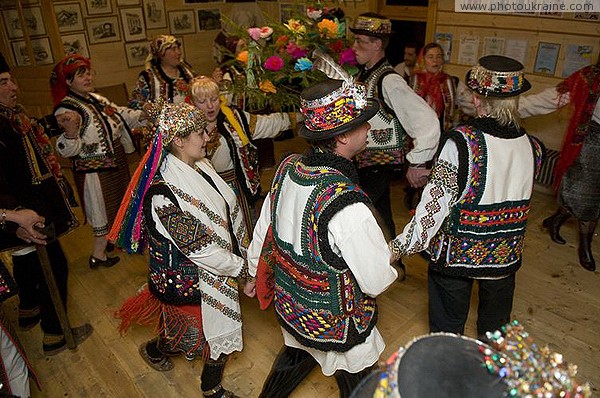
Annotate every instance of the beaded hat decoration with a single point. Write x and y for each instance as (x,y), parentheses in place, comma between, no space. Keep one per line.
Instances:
(370,24)
(497,76)
(169,121)
(334,107)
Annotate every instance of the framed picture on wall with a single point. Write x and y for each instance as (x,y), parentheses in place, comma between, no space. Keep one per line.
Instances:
(128,2)
(12,24)
(154,13)
(34,21)
(40,47)
(182,22)
(95,7)
(209,19)
(546,58)
(103,30)
(290,10)
(20,53)
(75,43)
(136,53)
(132,20)
(68,17)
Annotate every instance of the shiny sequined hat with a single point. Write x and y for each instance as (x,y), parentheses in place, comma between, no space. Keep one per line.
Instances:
(175,120)
(497,76)
(450,365)
(371,24)
(333,107)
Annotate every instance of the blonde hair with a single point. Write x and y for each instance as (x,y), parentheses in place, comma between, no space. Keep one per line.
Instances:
(504,110)
(203,86)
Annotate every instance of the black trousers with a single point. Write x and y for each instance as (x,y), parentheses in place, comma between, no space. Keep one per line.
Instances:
(450,297)
(33,290)
(376,183)
(292,365)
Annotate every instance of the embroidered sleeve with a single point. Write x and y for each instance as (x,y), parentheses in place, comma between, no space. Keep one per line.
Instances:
(67,147)
(268,126)
(542,103)
(439,195)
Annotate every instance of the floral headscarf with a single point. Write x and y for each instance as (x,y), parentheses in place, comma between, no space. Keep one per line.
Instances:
(158,46)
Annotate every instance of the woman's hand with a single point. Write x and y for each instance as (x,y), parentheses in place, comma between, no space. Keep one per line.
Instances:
(28,220)
(70,122)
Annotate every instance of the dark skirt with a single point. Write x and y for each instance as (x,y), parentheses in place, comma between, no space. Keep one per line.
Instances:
(114,183)
(579,190)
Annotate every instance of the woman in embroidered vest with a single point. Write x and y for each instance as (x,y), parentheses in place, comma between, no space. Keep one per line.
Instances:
(230,147)
(196,235)
(96,140)
(444,93)
(166,75)
(473,212)
(577,173)
(317,250)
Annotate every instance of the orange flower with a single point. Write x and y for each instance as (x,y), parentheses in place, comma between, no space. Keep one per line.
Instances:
(242,56)
(328,28)
(267,87)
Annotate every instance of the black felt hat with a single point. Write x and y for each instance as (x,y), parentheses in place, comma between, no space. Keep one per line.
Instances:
(497,76)
(333,107)
(3,65)
(371,24)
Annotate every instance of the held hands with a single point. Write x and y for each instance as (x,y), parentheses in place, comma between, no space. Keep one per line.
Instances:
(28,220)
(250,287)
(417,177)
(70,122)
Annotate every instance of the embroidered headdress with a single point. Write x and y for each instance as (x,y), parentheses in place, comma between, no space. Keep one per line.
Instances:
(458,366)
(169,121)
(334,107)
(158,46)
(371,24)
(497,76)
(63,72)
(3,65)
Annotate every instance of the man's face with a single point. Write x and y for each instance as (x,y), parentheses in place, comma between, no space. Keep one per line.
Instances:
(357,139)
(410,56)
(365,48)
(8,90)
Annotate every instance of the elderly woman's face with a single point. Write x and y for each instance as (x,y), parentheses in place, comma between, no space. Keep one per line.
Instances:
(83,82)
(434,60)
(172,56)
(210,104)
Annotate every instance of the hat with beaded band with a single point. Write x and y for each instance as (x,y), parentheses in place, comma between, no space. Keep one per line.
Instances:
(371,24)
(497,76)
(334,107)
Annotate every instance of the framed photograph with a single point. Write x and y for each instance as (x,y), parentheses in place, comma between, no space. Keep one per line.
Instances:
(42,52)
(546,58)
(136,53)
(290,10)
(34,21)
(103,30)
(75,44)
(132,21)
(95,7)
(182,22)
(209,19)
(128,2)
(155,14)
(68,17)
(14,30)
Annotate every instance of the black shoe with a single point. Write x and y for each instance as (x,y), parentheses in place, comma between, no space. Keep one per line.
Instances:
(109,262)
(80,333)
(29,318)
(110,247)
(553,224)
(586,259)
(401,270)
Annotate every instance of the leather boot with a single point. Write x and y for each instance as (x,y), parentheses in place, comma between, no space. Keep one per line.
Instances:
(586,233)
(553,224)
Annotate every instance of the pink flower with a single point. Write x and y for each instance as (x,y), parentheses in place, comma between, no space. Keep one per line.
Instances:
(295,51)
(273,63)
(265,32)
(313,13)
(347,57)
(254,33)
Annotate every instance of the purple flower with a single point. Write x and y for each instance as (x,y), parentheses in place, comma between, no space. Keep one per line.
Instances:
(273,63)
(295,51)
(347,57)
(303,64)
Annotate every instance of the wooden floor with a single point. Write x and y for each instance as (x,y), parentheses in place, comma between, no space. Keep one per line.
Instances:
(556,300)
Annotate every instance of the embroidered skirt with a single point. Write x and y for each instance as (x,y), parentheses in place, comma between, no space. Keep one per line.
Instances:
(580,187)
(101,192)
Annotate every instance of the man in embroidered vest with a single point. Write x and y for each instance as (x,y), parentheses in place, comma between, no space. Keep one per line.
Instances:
(404,120)
(30,176)
(317,250)
(474,209)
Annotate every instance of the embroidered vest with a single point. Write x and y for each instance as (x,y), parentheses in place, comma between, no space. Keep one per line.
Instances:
(387,138)
(162,86)
(172,277)
(482,240)
(317,298)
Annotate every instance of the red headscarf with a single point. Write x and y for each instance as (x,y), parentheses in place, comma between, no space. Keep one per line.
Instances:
(63,72)
(429,86)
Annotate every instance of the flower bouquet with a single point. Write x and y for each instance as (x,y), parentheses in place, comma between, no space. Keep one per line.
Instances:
(278,61)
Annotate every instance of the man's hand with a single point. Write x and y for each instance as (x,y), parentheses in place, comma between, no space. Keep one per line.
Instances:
(31,237)
(250,288)
(417,177)
(28,220)
(70,122)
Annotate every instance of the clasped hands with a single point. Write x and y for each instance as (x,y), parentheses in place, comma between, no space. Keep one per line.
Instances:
(28,221)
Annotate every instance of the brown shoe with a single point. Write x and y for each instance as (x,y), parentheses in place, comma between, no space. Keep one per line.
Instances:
(80,333)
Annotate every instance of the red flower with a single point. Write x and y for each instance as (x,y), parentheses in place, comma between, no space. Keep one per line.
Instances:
(109,110)
(348,57)
(281,41)
(274,63)
(181,86)
(336,46)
